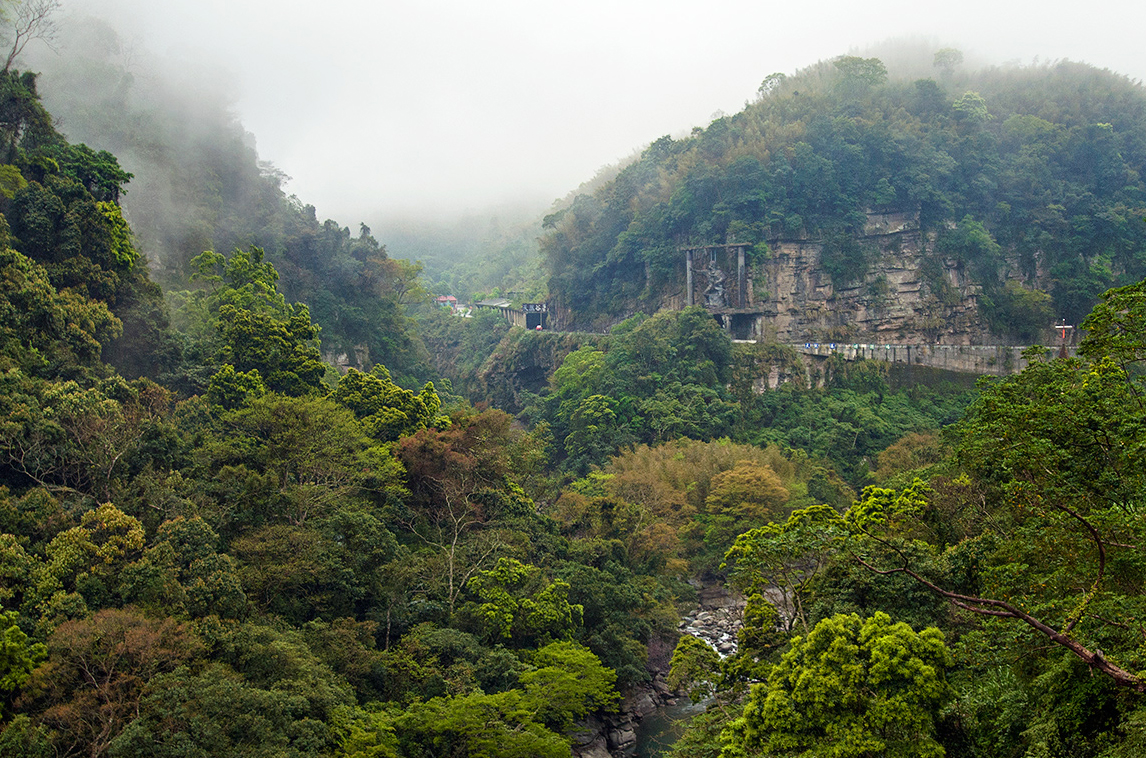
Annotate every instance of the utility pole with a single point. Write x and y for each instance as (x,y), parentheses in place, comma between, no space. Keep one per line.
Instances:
(1063,330)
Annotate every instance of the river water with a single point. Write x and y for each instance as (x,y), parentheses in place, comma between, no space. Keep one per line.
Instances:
(660,729)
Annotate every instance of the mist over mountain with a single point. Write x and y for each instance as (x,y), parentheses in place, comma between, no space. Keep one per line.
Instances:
(432,109)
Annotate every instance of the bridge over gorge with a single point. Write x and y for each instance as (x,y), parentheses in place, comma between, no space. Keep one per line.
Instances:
(997,360)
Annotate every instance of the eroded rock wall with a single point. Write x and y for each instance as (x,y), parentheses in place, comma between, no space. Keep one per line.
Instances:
(796,300)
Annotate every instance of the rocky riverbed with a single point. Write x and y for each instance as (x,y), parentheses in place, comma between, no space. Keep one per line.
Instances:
(716,620)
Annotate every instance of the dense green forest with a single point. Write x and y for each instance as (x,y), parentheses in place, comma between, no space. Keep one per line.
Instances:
(1020,174)
(215,543)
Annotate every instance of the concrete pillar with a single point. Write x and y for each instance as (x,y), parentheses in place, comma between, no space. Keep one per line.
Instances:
(741,279)
(688,276)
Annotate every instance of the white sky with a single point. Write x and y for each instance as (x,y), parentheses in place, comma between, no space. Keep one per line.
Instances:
(384,108)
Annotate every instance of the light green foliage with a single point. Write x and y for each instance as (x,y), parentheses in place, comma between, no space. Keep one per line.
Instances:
(972,108)
(517,605)
(122,247)
(1064,443)
(695,668)
(245,280)
(87,559)
(565,683)
(230,389)
(852,687)
(386,410)
(71,438)
(593,429)
(17,657)
(786,556)
(482,726)
(11,181)
(15,568)
(882,511)
(365,733)
(1114,329)
(568,683)
(43,330)
(240,318)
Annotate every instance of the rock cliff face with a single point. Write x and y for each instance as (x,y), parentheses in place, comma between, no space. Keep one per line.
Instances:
(907,294)
(893,302)
(522,363)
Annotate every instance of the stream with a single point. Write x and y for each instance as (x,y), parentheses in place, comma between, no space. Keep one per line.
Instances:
(715,621)
(659,730)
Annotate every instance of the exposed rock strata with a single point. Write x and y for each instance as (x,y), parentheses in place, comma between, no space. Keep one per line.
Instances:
(796,300)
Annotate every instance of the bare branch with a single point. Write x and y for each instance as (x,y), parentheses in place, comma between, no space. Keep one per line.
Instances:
(1001,609)
(32,19)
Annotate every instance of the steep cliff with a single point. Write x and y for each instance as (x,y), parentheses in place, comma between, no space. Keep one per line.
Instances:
(909,294)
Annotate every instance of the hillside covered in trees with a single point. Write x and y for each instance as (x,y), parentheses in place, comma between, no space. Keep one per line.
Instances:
(1025,185)
(215,543)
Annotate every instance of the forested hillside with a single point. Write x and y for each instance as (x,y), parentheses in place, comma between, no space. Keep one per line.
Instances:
(213,542)
(246,560)
(1026,180)
(198,184)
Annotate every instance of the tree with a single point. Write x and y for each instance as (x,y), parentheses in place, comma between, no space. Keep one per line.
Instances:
(309,456)
(217,712)
(1059,451)
(516,605)
(744,496)
(86,561)
(31,19)
(861,74)
(183,572)
(783,560)
(972,108)
(947,60)
(264,694)
(567,684)
(97,671)
(851,687)
(447,472)
(771,83)
(44,331)
(695,668)
(386,410)
(18,657)
(283,351)
(69,438)
(1114,329)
